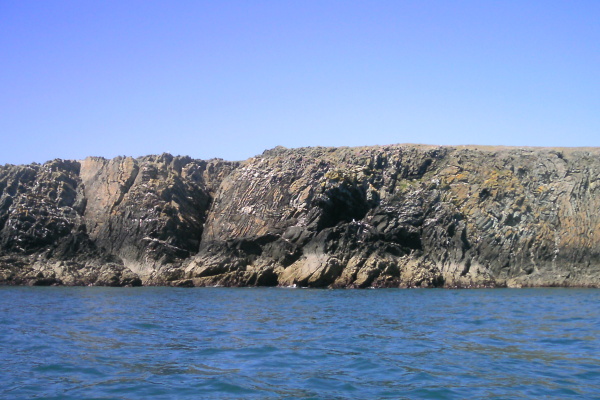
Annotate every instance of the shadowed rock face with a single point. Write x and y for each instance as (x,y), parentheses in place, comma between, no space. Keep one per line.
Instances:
(108,222)
(384,216)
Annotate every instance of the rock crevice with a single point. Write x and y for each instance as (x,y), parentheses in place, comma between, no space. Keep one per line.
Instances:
(381,216)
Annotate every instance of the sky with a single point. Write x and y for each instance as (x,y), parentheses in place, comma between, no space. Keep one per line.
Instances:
(229,79)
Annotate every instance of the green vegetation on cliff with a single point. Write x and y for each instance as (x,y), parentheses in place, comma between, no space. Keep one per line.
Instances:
(383,216)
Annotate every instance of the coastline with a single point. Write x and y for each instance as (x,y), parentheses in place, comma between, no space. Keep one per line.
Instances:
(377,216)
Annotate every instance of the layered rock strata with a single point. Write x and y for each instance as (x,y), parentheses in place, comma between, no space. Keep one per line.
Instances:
(382,216)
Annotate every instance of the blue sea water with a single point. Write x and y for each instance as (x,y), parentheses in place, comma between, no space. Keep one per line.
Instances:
(275,343)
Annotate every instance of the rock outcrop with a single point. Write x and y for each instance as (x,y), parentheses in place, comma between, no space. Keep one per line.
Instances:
(382,216)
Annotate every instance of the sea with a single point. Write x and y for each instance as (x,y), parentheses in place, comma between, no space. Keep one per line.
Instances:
(285,343)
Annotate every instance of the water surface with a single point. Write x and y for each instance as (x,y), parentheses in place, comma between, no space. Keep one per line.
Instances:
(273,343)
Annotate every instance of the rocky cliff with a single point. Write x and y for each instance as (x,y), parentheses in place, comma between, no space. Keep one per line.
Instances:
(382,216)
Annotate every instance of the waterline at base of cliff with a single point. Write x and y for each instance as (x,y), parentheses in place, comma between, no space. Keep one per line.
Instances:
(274,343)
(379,216)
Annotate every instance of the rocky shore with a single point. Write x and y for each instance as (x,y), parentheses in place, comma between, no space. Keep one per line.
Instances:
(380,216)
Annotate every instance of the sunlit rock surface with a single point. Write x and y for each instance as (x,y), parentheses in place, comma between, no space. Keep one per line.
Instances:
(381,216)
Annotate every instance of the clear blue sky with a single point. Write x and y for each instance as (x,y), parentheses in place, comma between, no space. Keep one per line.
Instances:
(231,78)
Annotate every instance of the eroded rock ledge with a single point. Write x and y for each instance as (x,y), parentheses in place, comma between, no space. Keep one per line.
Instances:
(381,216)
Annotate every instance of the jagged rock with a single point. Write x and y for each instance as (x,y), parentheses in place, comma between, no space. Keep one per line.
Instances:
(381,216)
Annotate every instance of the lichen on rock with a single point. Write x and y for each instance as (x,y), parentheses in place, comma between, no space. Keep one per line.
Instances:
(380,216)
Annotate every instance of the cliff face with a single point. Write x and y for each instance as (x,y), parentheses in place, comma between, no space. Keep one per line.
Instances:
(385,216)
(105,222)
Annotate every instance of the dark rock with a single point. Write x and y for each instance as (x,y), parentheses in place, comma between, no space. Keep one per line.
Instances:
(383,216)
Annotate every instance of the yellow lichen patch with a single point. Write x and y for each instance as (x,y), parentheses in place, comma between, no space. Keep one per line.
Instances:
(462,177)
(461,195)
(502,181)
(450,171)
(342,175)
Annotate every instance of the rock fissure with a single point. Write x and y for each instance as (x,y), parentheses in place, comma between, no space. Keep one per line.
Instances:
(383,216)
